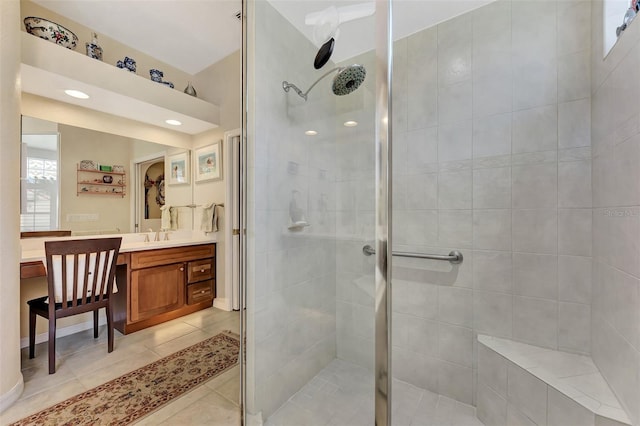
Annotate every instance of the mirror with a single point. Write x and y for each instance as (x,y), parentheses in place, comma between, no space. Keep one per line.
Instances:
(59,189)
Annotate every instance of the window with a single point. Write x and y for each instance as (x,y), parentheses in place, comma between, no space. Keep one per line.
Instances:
(39,183)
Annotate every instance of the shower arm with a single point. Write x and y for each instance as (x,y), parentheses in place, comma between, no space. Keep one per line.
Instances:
(286,85)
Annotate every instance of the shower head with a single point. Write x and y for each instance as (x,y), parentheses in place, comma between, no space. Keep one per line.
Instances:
(346,81)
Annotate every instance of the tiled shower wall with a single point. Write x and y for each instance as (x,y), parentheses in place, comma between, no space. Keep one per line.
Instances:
(615,332)
(492,157)
(291,291)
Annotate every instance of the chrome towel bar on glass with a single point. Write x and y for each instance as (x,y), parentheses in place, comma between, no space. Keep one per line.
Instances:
(454,256)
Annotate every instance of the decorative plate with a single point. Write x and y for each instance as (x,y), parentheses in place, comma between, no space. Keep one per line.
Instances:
(51,31)
(88,165)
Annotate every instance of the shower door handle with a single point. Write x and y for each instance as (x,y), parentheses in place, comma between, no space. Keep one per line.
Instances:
(455,257)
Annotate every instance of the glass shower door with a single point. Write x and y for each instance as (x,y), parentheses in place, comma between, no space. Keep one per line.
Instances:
(311,204)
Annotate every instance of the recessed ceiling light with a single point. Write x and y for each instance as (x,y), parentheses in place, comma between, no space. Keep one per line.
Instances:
(174,122)
(76,94)
(350,123)
(310,133)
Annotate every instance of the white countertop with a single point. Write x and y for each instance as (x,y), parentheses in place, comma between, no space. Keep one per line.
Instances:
(33,248)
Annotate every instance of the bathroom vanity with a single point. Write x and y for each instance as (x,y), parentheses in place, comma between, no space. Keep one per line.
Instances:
(159,285)
(157,281)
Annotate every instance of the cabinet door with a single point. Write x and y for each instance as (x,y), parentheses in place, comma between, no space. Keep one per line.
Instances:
(156,290)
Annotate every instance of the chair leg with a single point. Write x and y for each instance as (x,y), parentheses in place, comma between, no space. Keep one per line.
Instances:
(52,345)
(95,323)
(32,333)
(109,313)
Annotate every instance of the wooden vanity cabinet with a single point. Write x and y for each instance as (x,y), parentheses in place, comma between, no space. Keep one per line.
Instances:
(163,284)
(156,290)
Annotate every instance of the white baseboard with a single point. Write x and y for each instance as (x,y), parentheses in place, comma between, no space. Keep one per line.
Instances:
(254,419)
(64,331)
(7,399)
(222,303)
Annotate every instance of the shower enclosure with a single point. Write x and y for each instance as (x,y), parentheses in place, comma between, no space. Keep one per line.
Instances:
(513,198)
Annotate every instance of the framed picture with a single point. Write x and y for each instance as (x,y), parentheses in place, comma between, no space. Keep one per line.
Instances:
(208,161)
(179,168)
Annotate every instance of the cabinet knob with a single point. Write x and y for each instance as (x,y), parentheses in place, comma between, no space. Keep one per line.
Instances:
(203,291)
(182,269)
(202,270)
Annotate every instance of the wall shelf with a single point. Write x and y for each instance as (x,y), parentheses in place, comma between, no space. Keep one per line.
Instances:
(86,185)
(48,69)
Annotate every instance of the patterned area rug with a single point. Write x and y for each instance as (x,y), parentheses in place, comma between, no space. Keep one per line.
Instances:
(140,392)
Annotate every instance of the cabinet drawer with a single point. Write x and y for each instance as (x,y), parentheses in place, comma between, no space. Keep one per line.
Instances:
(200,270)
(148,258)
(199,292)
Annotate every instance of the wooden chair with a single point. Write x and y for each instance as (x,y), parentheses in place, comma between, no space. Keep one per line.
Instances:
(89,268)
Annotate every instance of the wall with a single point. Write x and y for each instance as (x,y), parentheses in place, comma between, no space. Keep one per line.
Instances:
(11,383)
(491,157)
(72,115)
(78,144)
(35,125)
(291,285)
(221,84)
(615,332)
(112,50)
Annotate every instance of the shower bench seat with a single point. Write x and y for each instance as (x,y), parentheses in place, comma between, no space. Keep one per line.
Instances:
(525,384)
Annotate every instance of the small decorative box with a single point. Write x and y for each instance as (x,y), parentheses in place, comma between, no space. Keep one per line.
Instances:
(118,169)
(105,168)
(88,165)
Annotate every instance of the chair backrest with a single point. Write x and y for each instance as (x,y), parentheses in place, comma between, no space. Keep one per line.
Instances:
(35,234)
(80,272)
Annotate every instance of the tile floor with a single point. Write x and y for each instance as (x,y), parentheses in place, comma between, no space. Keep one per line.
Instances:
(341,395)
(83,363)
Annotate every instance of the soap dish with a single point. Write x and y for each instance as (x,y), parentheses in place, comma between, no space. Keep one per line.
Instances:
(297,226)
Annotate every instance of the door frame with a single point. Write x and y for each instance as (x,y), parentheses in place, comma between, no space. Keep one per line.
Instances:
(136,183)
(231,209)
(383,187)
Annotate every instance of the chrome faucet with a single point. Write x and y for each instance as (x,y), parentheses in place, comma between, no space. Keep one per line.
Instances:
(157,237)
(146,235)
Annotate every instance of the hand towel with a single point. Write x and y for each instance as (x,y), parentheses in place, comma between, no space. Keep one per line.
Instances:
(173,213)
(209,222)
(165,217)
(214,220)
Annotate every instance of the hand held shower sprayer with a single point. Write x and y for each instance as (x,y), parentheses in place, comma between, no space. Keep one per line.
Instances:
(346,81)
(326,26)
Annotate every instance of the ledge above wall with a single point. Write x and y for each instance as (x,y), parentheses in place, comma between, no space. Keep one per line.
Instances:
(49,69)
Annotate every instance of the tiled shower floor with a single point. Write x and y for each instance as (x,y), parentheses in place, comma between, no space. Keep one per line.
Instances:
(342,395)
